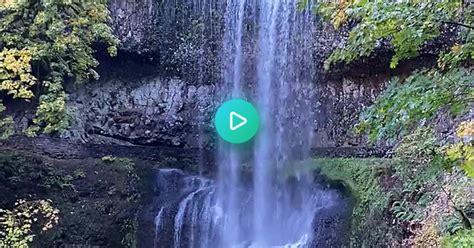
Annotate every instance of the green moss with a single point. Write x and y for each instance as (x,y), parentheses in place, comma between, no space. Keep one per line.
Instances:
(362,178)
(359,174)
(463,238)
(393,195)
(122,163)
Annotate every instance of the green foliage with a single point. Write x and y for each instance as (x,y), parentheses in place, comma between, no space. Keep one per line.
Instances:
(109,159)
(15,73)
(421,159)
(463,50)
(419,167)
(406,26)
(403,197)
(419,147)
(464,238)
(462,153)
(127,165)
(460,190)
(417,191)
(79,174)
(57,180)
(98,210)
(405,211)
(44,43)
(359,175)
(425,186)
(15,169)
(130,228)
(451,224)
(18,225)
(123,163)
(417,98)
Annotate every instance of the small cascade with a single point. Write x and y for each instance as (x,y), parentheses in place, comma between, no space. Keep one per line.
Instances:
(191,215)
(157,226)
(187,203)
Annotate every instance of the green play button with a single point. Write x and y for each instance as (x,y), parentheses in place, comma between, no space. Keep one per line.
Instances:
(236,121)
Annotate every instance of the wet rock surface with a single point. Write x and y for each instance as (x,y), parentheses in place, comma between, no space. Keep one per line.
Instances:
(179,43)
(170,157)
(184,36)
(181,37)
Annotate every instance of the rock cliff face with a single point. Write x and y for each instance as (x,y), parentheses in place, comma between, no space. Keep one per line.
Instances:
(173,102)
(182,37)
(145,111)
(152,110)
(341,103)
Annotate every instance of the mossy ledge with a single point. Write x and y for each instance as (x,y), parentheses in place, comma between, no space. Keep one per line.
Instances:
(400,202)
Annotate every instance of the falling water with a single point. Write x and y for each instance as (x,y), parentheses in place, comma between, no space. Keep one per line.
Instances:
(284,60)
(273,209)
(229,198)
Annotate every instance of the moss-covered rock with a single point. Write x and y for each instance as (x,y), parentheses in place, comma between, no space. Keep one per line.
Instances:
(99,201)
(401,202)
(364,180)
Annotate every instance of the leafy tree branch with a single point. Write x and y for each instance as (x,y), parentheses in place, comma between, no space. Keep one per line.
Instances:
(43,44)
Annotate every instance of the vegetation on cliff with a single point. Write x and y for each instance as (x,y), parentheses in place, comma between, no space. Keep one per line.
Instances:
(360,176)
(415,100)
(430,183)
(92,202)
(408,200)
(45,43)
(420,197)
(405,26)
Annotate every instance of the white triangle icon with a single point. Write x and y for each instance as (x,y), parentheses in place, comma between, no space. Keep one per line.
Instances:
(242,120)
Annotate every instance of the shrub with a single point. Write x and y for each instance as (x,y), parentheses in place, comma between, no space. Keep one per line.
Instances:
(19,225)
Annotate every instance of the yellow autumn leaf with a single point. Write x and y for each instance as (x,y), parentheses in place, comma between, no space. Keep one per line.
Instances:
(340,17)
(15,70)
(456,48)
(466,129)
(4,4)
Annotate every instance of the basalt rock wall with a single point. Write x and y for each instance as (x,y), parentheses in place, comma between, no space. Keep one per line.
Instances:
(170,85)
(152,110)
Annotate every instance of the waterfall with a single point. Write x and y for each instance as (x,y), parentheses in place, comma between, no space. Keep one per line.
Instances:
(266,58)
(228,157)
(187,210)
(284,55)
